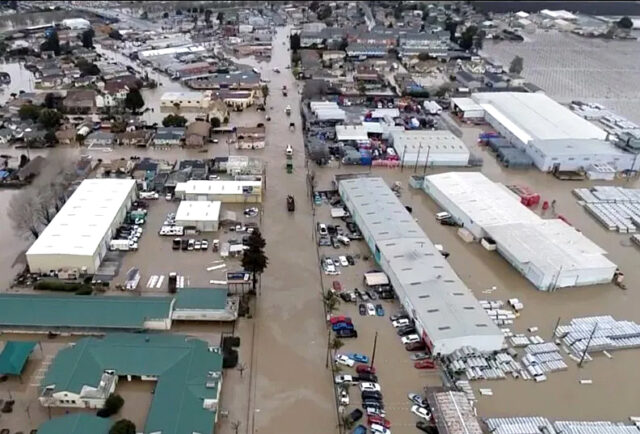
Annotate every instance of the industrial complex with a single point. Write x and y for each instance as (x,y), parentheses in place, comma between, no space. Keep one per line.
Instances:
(446,313)
(548,252)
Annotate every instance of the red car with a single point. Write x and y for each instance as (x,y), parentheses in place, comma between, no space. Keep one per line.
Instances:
(340,318)
(373,418)
(425,364)
(365,369)
(337,286)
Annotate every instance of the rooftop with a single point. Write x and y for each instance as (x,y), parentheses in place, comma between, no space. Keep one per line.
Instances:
(437,141)
(216,187)
(201,298)
(198,210)
(78,423)
(82,223)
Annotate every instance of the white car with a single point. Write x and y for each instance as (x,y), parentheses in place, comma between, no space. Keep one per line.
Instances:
(343,396)
(344,379)
(342,359)
(369,387)
(204,245)
(379,429)
(322,229)
(343,261)
(329,268)
(421,412)
(400,323)
(370,309)
(442,215)
(410,339)
(288,150)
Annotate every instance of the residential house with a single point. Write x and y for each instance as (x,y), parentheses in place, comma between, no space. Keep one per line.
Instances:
(117,167)
(314,27)
(115,90)
(357,50)
(34,137)
(198,169)
(250,138)
(145,170)
(168,136)
(67,136)
(197,134)
(368,77)
(141,138)
(80,101)
(434,44)
(310,39)
(100,139)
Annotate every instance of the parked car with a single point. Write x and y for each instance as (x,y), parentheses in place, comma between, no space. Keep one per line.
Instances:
(322,229)
(448,222)
(339,318)
(379,310)
(335,243)
(402,322)
(366,395)
(406,330)
(204,245)
(177,242)
(419,356)
(421,412)
(416,346)
(386,295)
(350,260)
(337,286)
(372,294)
(342,326)
(347,296)
(324,241)
(360,429)
(374,411)
(344,379)
(398,316)
(343,261)
(379,429)
(197,245)
(442,215)
(344,240)
(378,420)
(370,378)
(426,427)
(342,359)
(360,358)
(365,369)
(373,403)
(410,339)
(362,294)
(362,309)
(348,333)
(185,244)
(417,400)
(371,311)
(355,415)
(375,387)
(425,364)
(343,396)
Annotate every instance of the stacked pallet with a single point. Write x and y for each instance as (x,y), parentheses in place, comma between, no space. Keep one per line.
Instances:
(616,208)
(601,333)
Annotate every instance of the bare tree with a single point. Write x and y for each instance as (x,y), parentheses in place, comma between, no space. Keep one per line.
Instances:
(236,426)
(24,213)
(241,367)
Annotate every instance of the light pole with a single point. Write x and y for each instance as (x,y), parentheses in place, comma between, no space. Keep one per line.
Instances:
(375,344)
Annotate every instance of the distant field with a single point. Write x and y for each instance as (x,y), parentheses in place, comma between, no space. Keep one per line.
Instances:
(588,7)
(569,67)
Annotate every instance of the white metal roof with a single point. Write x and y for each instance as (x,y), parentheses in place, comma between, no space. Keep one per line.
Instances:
(441,302)
(172,50)
(566,147)
(172,96)
(536,116)
(436,141)
(85,218)
(383,112)
(351,132)
(215,186)
(376,278)
(466,104)
(198,210)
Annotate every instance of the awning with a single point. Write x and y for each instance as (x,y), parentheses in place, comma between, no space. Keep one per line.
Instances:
(376,279)
(14,356)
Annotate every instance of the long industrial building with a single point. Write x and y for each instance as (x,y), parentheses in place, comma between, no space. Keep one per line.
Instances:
(551,134)
(445,312)
(79,235)
(430,147)
(548,252)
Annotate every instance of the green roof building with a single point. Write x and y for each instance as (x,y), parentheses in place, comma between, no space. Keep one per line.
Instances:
(188,374)
(80,423)
(204,304)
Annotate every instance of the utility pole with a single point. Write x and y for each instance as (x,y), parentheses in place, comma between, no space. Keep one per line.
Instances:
(584,353)
(553,333)
(375,344)
(415,168)
(426,163)
(326,365)
(404,151)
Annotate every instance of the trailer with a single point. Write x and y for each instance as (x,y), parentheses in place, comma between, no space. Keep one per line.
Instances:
(119,245)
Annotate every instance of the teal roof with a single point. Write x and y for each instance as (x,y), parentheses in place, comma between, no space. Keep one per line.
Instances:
(14,356)
(182,365)
(201,298)
(79,423)
(79,311)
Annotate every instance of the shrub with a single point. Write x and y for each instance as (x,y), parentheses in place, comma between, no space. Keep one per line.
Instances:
(123,426)
(54,285)
(112,405)
(229,359)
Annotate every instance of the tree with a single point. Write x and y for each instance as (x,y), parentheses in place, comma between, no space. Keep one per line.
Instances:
(451,26)
(134,100)
(235,425)
(23,214)
(174,121)
(295,42)
(220,17)
(424,57)
(118,126)
(336,344)
(87,68)
(51,43)
(314,5)
(29,111)
(265,93)
(49,118)
(478,41)
(51,101)
(144,15)
(442,90)
(215,122)
(324,12)
(466,39)
(50,138)
(625,23)
(207,16)
(87,38)
(516,66)
(165,15)
(254,260)
(123,426)
(115,34)
(331,302)
(112,405)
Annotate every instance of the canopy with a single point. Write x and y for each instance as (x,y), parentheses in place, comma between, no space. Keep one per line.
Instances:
(14,356)
(376,279)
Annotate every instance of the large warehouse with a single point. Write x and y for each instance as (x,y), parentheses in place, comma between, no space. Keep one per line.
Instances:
(549,253)
(446,313)
(223,191)
(204,215)
(551,134)
(79,235)
(430,147)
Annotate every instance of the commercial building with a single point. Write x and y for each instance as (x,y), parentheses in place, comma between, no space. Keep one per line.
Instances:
(205,304)
(79,235)
(187,373)
(201,214)
(186,99)
(76,23)
(551,134)
(446,313)
(430,147)
(223,191)
(549,253)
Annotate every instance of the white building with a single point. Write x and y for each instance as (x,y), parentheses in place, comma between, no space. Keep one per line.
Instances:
(551,134)
(201,214)
(430,147)
(549,253)
(76,23)
(446,314)
(186,99)
(466,108)
(218,190)
(79,235)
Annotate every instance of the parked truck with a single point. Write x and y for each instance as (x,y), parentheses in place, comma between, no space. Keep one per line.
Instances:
(119,245)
